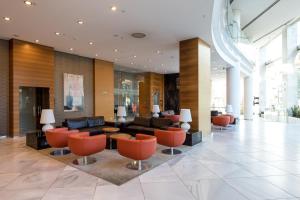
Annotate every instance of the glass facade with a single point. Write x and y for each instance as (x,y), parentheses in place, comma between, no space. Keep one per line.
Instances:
(127,92)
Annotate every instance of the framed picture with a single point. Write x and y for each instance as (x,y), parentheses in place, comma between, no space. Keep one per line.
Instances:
(73,93)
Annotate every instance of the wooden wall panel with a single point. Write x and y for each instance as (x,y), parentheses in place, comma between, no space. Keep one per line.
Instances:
(194,92)
(4,85)
(104,89)
(152,82)
(31,65)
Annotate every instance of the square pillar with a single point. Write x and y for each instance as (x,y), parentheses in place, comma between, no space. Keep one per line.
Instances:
(195,83)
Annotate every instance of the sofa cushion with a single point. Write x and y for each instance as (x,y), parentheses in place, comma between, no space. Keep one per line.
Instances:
(95,121)
(142,121)
(161,122)
(76,123)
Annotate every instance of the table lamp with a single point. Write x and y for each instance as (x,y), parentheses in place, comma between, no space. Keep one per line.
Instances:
(47,118)
(121,113)
(155,110)
(229,109)
(185,117)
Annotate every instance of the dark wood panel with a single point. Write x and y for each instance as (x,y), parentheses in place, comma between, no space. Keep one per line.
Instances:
(30,65)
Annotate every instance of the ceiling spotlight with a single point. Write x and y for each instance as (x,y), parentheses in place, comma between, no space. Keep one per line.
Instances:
(71,49)
(6,18)
(80,22)
(116,50)
(57,33)
(134,56)
(158,51)
(37,41)
(91,43)
(113,8)
(28,3)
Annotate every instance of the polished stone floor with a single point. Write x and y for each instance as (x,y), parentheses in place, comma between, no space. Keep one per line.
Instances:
(260,160)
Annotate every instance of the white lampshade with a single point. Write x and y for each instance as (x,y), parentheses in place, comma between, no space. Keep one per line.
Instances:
(155,109)
(47,116)
(229,109)
(185,115)
(121,111)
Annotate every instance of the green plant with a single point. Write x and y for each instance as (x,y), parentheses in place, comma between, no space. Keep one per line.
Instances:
(295,111)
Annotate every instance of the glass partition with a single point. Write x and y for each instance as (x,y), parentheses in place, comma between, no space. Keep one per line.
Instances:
(127,92)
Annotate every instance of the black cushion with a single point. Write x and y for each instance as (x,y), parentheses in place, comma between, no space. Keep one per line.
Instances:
(95,121)
(77,123)
(142,121)
(161,122)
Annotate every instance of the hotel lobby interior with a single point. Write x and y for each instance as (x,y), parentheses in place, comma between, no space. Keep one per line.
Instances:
(149,100)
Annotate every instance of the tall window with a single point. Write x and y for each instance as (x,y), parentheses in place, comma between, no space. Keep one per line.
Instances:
(127,92)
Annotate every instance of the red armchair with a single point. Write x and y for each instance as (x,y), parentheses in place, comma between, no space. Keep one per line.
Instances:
(58,138)
(173,137)
(221,120)
(231,118)
(142,148)
(82,144)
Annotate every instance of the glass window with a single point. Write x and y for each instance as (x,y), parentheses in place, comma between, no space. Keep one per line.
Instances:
(127,92)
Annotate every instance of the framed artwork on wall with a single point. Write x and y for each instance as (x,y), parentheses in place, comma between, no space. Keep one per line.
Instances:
(73,93)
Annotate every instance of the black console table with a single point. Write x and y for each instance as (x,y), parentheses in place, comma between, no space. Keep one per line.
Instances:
(193,138)
(37,140)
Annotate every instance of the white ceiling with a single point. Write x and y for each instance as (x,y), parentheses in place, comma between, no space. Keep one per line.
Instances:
(164,22)
(279,14)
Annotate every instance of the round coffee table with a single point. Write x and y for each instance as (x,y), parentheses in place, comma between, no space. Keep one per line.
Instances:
(116,136)
(111,130)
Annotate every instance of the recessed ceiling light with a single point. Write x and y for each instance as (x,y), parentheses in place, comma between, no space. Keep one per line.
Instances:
(96,54)
(116,59)
(57,33)
(80,22)
(158,51)
(162,64)
(113,8)
(138,35)
(116,50)
(131,63)
(91,43)
(37,41)
(6,18)
(28,3)
(134,56)
(71,49)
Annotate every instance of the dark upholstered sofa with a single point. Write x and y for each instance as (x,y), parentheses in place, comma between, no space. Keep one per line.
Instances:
(94,125)
(146,125)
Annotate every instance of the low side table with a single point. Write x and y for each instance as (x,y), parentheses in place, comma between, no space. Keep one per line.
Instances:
(109,131)
(37,140)
(193,137)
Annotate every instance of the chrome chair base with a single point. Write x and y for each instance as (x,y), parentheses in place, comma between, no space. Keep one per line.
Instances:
(60,152)
(84,161)
(171,151)
(138,165)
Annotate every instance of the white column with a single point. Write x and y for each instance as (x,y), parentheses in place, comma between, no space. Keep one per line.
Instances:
(233,89)
(237,25)
(248,98)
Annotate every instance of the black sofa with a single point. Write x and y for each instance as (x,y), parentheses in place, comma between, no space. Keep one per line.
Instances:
(146,125)
(93,125)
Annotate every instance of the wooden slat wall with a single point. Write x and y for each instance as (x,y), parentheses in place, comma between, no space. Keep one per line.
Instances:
(194,92)
(152,82)
(104,89)
(31,65)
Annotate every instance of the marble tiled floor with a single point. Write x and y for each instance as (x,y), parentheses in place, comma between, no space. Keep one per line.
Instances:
(260,160)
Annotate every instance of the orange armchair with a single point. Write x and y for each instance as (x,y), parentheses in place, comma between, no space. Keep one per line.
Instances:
(231,118)
(82,144)
(58,138)
(221,120)
(173,137)
(142,148)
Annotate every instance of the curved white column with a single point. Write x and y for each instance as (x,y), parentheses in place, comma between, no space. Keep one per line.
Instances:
(248,98)
(233,89)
